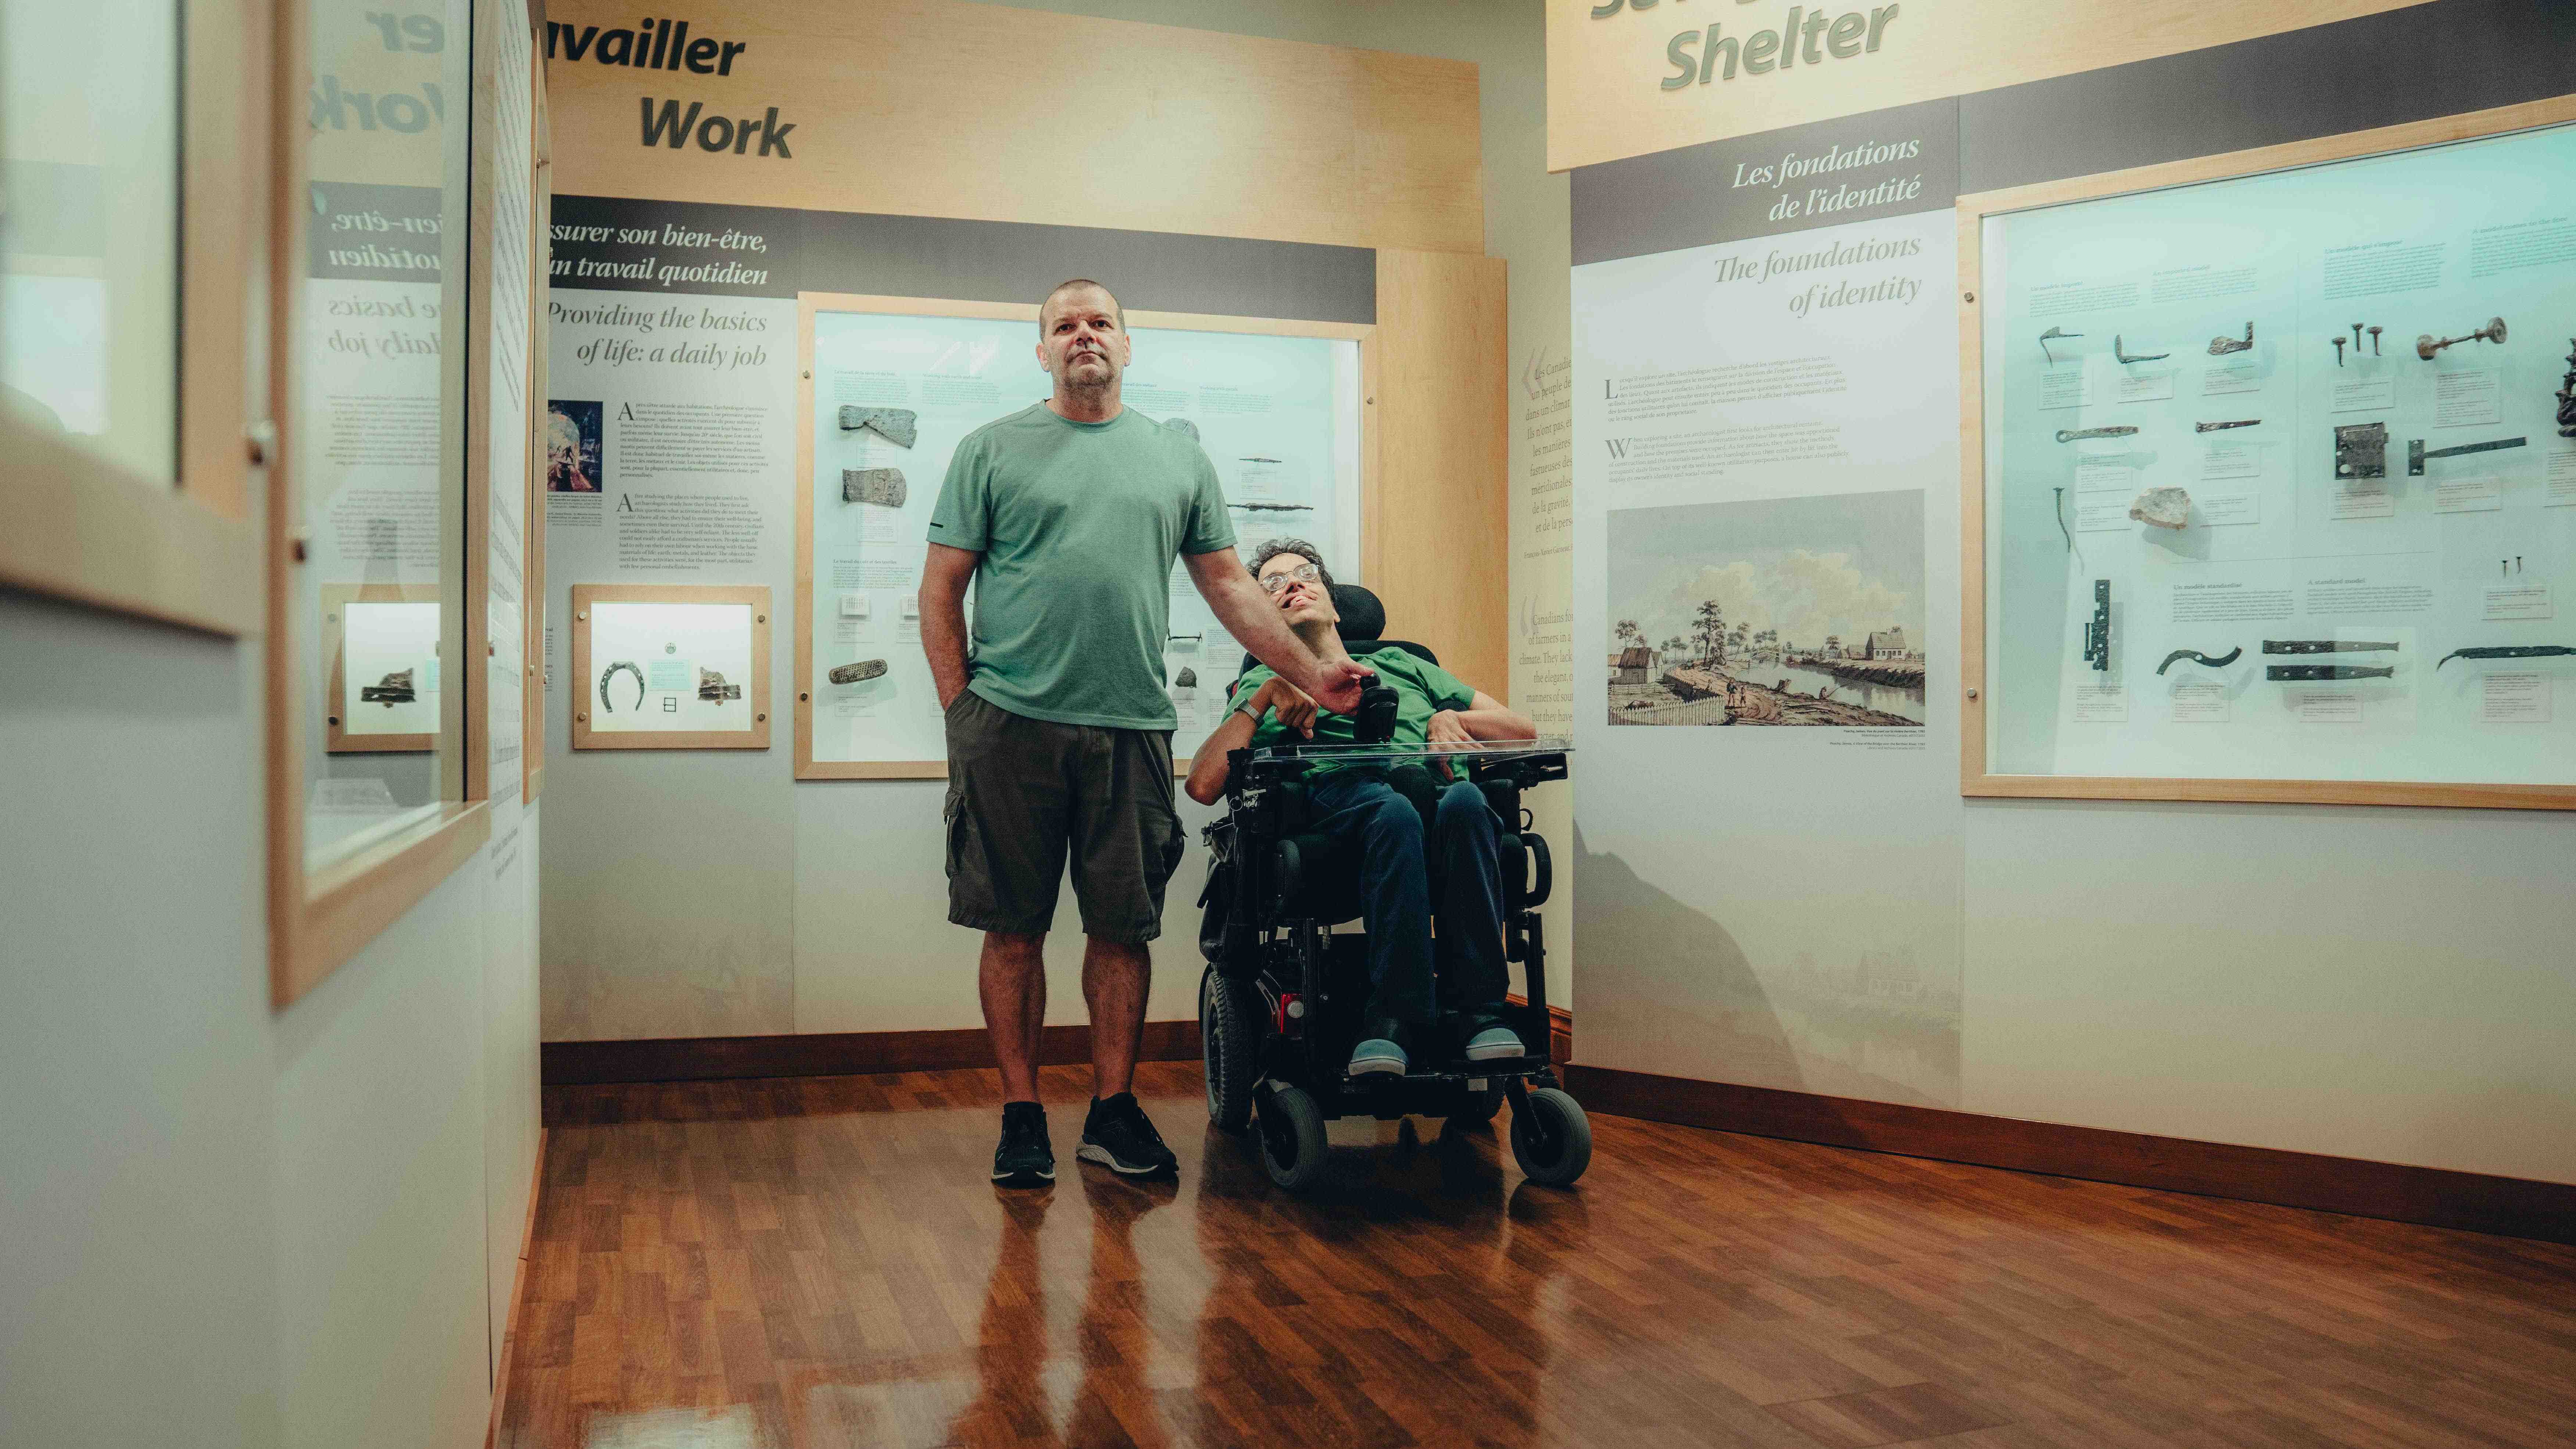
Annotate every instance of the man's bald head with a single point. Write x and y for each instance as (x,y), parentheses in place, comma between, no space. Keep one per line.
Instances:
(1047,308)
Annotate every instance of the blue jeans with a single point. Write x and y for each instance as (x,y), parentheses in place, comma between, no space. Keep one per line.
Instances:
(1397,872)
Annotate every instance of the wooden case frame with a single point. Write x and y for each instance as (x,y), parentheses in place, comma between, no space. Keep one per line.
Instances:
(810,303)
(755,690)
(1975,778)
(184,550)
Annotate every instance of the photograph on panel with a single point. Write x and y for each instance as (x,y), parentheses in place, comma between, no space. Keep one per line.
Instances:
(1775,611)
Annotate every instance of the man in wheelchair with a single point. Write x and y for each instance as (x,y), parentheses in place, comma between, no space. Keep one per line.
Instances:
(1380,816)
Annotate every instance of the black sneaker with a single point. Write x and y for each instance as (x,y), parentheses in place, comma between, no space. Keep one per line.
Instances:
(1119,1136)
(1025,1158)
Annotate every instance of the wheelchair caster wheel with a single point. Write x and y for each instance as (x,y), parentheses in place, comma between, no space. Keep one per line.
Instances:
(1292,1138)
(1551,1138)
(1230,1040)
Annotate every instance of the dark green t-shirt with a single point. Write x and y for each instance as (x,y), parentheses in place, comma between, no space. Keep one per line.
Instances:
(1078,525)
(1422,689)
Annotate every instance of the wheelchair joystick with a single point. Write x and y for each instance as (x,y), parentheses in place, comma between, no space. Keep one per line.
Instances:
(1374,722)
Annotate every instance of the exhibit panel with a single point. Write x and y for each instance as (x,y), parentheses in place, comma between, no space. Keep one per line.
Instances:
(382,642)
(668,667)
(2279,479)
(891,386)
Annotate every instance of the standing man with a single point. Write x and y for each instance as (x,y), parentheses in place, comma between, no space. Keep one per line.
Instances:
(1067,516)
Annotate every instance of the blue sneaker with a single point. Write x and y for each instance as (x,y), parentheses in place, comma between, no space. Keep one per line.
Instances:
(1495,1043)
(1377,1054)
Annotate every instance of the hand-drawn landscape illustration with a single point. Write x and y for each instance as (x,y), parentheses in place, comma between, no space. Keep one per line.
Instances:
(1776,611)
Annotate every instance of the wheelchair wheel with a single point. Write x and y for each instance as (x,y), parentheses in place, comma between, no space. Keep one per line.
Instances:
(1229,1043)
(1551,1138)
(1292,1138)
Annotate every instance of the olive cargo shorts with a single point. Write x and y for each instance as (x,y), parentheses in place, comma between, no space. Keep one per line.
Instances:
(1023,794)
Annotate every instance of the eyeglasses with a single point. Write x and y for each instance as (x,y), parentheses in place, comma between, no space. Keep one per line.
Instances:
(1305,573)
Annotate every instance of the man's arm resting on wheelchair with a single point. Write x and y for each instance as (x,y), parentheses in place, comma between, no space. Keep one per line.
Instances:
(1486,718)
(1252,617)
(944,576)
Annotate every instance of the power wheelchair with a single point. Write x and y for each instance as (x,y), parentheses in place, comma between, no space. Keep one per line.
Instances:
(1281,997)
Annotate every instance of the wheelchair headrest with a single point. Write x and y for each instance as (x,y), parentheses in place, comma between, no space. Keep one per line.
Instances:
(1363,617)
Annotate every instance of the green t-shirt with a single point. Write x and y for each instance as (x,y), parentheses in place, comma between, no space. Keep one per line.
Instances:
(1078,525)
(1421,687)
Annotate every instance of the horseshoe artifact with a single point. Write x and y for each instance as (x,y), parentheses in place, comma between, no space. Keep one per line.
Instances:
(2221,346)
(2051,335)
(2075,435)
(2415,453)
(2508,651)
(2196,657)
(2127,357)
(2425,346)
(631,667)
(898,426)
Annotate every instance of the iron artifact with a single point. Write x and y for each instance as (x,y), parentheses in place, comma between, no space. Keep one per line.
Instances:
(2356,339)
(2567,395)
(883,487)
(2196,657)
(898,426)
(2051,335)
(2126,357)
(859,673)
(2223,427)
(2374,340)
(2221,346)
(2077,435)
(2425,346)
(1187,678)
(2508,651)
(2338,342)
(1274,507)
(393,689)
(605,675)
(2327,671)
(2323,646)
(712,686)
(2164,506)
(2097,631)
(2361,450)
(2416,453)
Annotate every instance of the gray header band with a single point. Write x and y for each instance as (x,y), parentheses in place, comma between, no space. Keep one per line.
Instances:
(2414,64)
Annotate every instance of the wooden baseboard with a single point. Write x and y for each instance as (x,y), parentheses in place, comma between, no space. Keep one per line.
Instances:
(828,1054)
(2513,1206)
(518,1295)
(1560,1030)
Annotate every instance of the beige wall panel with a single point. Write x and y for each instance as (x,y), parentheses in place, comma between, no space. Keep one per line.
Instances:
(1604,77)
(935,108)
(1437,527)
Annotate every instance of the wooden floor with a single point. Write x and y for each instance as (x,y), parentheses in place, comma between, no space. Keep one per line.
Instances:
(821,1262)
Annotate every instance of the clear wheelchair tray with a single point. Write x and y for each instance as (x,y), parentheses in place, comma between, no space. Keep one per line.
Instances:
(1493,751)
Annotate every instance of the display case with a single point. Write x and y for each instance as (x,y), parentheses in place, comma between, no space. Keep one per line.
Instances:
(670,667)
(2271,474)
(888,386)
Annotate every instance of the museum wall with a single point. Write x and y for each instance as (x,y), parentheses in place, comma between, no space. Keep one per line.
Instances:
(1821,910)
(692,893)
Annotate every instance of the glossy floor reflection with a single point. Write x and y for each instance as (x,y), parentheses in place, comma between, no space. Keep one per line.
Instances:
(822,1263)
